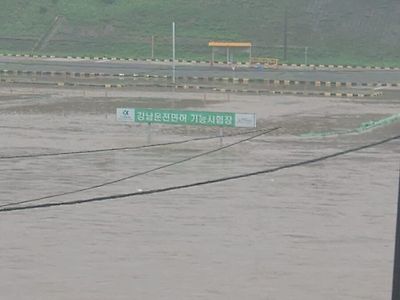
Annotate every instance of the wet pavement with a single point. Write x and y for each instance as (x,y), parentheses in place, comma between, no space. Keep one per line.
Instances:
(201,70)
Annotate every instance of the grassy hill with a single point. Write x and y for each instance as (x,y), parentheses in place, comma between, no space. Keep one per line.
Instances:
(335,31)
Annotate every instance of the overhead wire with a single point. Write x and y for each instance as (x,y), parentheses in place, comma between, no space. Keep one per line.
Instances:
(201,183)
(140,173)
(23,156)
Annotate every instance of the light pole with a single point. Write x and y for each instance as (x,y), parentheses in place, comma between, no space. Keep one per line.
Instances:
(173,52)
(285,29)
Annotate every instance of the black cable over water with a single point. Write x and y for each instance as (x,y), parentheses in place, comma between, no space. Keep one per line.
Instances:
(140,173)
(124,148)
(200,183)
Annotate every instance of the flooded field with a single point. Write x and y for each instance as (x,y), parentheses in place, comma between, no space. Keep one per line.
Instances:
(322,230)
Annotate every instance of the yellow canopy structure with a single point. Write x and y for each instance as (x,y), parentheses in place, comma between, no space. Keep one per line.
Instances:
(228,45)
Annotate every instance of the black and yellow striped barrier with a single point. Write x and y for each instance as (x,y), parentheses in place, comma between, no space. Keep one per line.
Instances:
(269,82)
(193,87)
(104,58)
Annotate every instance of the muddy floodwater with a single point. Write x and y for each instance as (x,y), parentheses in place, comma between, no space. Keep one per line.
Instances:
(323,230)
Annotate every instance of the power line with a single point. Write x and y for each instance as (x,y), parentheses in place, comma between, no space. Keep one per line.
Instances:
(200,183)
(140,173)
(122,148)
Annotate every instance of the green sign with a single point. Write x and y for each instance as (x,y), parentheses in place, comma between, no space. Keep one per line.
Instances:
(175,117)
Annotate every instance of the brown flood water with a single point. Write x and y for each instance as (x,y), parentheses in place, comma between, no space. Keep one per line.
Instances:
(319,231)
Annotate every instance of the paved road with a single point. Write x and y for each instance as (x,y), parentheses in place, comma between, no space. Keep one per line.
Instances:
(201,70)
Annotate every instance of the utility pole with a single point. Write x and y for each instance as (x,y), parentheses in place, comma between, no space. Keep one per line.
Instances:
(285,35)
(306,55)
(396,268)
(250,55)
(173,52)
(152,46)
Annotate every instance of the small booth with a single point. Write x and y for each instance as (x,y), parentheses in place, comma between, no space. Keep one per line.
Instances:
(267,62)
(228,46)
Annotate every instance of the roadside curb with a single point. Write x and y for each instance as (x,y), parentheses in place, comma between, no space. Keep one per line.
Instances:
(316,83)
(198,88)
(301,93)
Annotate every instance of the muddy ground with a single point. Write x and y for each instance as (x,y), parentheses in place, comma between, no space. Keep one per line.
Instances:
(319,231)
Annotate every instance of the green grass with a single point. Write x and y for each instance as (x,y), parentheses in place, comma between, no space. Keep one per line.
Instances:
(357,32)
